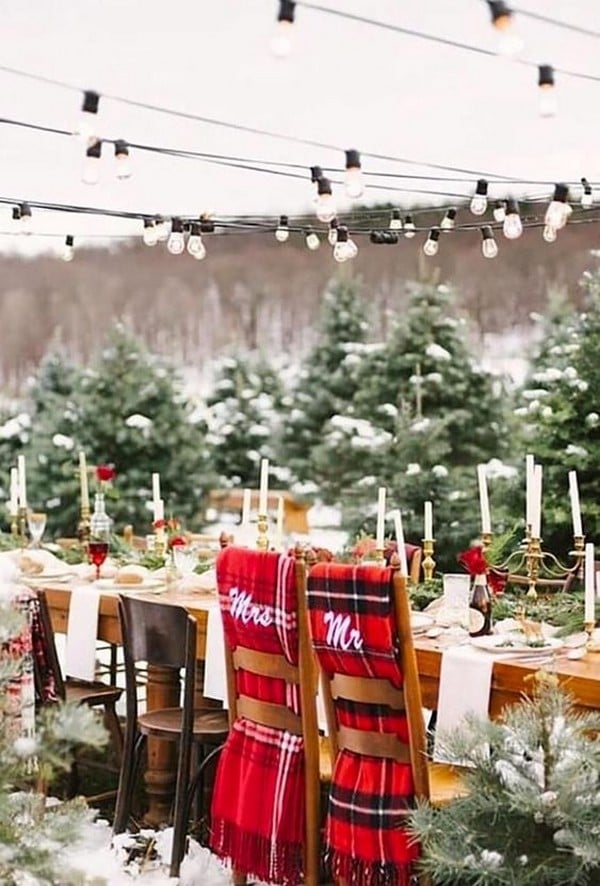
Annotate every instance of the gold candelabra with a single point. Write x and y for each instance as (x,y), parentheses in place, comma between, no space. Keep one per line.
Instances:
(262,526)
(22,525)
(428,561)
(592,645)
(83,529)
(530,564)
(14,526)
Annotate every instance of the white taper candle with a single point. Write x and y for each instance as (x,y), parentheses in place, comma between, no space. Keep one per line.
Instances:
(536,502)
(484,502)
(13,504)
(575,507)
(380,533)
(589,615)
(400,542)
(22,481)
(428,534)
(529,465)
(246,501)
(83,481)
(264,486)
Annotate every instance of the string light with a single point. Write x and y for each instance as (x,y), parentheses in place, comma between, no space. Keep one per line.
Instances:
(448,220)
(122,159)
(345,248)
(281,44)
(163,229)
(513,226)
(431,245)
(549,234)
(409,227)
(509,42)
(325,204)
(150,235)
(207,225)
(389,238)
(195,246)
(88,122)
(333,231)
(499,212)
(91,166)
(559,210)
(396,220)
(548,106)
(176,243)
(312,240)
(587,199)
(283,232)
(24,218)
(489,247)
(479,201)
(353,181)
(68,253)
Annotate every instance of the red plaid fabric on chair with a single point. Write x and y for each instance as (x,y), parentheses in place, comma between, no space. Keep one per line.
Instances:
(259,818)
(353,626)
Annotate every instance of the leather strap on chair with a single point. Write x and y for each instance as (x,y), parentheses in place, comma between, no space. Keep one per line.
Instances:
(266,664)
(373,744)
(268,714)
(368,690)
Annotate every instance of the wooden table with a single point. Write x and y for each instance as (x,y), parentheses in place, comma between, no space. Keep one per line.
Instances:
(509,682)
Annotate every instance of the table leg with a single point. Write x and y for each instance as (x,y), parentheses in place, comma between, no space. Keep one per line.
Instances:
(162,691)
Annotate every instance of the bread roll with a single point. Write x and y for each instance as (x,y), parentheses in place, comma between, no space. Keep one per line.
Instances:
(29,566)
(130,575)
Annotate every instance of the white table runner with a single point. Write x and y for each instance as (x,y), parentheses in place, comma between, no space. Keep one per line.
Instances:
(465,683)
(82,631)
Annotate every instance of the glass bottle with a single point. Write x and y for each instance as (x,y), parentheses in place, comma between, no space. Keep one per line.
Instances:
(100,522)
(480,613)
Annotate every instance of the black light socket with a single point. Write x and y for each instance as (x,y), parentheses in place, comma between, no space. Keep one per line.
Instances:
(195,229)
(323,186)
(283,221)
(376,237)
(545,75)
(342,236)
(587,188)
(315,173)
(499,11)
(482,187)
(176,226)
(512,207)
(91,101)
(352,159)
(287,9)
(69,240)
(121,148)
(207,226)
(561,193)
(434,234)
(94,150)
(487,233)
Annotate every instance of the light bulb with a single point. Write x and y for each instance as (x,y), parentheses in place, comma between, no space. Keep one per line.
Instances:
(448,220)
(312,241)
(587,199)
(558,211)
(122,159)
(283,232)
(409,227)
(548,105)
(68,253)
(150,235)
(549,234)
(489,247)
(513,226)
(87,126)
(353,181)
(351,248)
(396,220)
(91,166)
(479,201)
(176,243)
(325,204)
(195,246)
(163,229)
(499,211)
(431,245)
(333,231)
(281,43)
(509,41)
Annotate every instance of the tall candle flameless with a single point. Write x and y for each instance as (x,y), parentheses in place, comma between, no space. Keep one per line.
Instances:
(380,534)
(589,616)
(246,501)
(400,542)
(83,482)
(536,502)
(263,489)
(22,481)
(13,504)
(156,496)
(529,465)
(575,507)
(159,510)
(428,534)
(484,502)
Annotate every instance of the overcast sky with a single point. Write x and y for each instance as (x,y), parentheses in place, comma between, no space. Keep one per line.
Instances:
(345,83)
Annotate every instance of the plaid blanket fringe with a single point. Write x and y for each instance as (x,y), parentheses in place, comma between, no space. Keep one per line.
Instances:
(354,871)
(257,817)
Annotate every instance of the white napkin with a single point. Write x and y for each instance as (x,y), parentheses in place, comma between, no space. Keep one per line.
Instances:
(82,631)
(465,682)
(215,677)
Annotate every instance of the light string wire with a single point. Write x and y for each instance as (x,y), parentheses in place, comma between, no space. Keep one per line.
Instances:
(548,20)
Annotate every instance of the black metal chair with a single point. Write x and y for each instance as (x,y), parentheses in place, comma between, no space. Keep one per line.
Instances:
(164,636)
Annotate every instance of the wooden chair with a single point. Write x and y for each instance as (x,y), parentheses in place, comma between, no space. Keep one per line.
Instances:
(94,694)
(414,555)
(437,783)
(280,717)
(164,636)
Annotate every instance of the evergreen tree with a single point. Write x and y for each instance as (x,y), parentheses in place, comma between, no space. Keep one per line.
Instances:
(327,381)
(243,419)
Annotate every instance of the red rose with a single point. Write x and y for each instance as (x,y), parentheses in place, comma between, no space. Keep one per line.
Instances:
(159,524)
(176,541)
(474,561)
(105,473)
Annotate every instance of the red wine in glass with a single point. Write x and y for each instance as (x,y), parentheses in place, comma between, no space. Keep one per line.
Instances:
(98,551)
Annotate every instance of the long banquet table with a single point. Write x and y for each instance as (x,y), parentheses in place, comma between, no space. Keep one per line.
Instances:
(509,680)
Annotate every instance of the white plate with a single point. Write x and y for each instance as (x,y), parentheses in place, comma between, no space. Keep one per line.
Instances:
(42,577)
(149,585)
(419,621)
(497,643)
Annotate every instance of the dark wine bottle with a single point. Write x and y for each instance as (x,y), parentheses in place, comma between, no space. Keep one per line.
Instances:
(480,608)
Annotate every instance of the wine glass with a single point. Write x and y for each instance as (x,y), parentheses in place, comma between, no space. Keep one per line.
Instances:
(98,552)
(185,558)
(36,523)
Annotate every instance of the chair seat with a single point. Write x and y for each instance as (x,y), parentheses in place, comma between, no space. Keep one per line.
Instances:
(166,723)
(91,693)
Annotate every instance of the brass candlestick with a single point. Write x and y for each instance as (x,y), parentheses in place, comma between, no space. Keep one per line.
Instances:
(486,540)
(592,646)
(83,528)
(534,556)
(14,526)
(22,526)
(379,557)
(160,543)
(262,526)
(428,561)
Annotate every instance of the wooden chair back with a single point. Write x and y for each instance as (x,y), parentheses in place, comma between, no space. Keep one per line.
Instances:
(303,675)
(49,650)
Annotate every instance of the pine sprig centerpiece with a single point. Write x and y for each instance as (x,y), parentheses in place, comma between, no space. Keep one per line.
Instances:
(532,817)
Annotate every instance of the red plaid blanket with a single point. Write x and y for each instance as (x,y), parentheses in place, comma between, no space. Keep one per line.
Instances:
(257,817)
(351,617)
